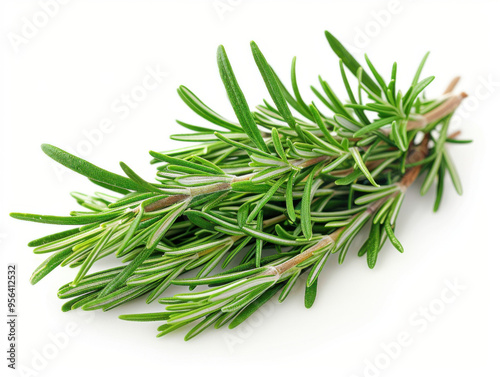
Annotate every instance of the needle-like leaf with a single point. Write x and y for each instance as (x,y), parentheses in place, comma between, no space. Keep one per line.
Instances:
(238,100)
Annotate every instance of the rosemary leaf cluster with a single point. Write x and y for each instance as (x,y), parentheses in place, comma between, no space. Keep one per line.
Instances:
(266,199)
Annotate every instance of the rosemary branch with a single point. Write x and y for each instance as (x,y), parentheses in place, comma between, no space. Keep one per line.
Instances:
(273,194)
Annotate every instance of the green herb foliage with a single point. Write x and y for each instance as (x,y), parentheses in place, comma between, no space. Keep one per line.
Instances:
(253,203)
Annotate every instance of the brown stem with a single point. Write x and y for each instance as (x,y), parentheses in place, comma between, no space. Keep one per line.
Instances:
(313,161)
(446,108)
(451,86)
(416,154)
(454,135)
(325,241)
(223,186)
(165,202)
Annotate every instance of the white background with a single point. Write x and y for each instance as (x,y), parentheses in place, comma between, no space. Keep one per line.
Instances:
(61,83)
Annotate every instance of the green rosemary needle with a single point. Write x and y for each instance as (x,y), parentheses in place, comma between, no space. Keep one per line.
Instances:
(273,195)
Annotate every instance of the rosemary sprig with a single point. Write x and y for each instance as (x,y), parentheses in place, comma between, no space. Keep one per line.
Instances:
(273,194)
